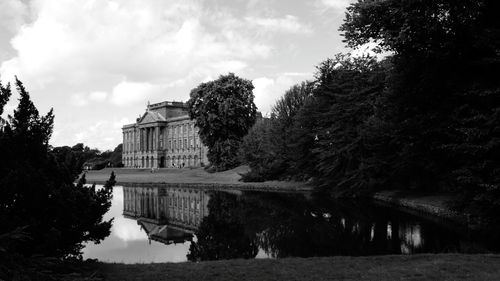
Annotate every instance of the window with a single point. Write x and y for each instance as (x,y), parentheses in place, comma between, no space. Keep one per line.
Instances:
(185,143)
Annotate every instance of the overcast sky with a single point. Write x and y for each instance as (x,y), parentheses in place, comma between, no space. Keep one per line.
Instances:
(99,62)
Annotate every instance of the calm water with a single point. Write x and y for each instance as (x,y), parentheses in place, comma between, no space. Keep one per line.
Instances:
(157,224)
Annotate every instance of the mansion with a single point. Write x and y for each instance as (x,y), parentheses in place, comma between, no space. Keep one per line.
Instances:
(163,137)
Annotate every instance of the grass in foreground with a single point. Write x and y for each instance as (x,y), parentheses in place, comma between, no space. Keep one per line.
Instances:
(415,267)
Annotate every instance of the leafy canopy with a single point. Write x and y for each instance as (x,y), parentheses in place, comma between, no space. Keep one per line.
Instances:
(224,112)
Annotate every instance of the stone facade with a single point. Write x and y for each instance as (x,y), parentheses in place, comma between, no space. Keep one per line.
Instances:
(163,137)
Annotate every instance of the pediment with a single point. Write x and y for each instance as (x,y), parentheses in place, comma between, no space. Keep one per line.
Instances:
(151,117)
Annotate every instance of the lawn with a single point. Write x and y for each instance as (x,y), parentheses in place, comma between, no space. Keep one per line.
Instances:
(187,175)
(415,267)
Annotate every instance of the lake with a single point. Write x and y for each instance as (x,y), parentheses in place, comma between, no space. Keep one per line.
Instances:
(160,224)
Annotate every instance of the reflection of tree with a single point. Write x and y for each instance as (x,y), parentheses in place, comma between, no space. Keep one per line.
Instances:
(290,225)
(221,234)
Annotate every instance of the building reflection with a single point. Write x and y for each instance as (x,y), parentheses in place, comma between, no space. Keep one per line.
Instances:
(167,214)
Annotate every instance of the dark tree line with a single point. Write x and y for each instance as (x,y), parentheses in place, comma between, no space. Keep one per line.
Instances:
(79,155)
(427,117)
(42,212)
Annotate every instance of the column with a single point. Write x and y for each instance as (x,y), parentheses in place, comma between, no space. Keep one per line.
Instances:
(140,140)
(151,139)
(148,147)
(123,132)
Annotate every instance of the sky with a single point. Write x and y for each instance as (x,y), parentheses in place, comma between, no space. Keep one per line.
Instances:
(97,63)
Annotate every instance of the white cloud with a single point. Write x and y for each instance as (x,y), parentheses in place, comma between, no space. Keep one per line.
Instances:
(268,90)
(78,99)
(98,96)
(77,42)
(367,49)
(102,134)
(339,5)
(289,24)
(129,93)
(94,60)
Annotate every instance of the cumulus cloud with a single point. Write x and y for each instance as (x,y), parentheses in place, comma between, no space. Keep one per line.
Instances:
(144,41)
(289,24)
(97,62)
(128,93)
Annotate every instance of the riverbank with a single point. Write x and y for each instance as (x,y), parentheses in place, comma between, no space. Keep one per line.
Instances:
(430,205)
(190,178)
(414,267)
(433,206)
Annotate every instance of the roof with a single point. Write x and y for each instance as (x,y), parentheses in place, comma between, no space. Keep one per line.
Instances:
(150,117)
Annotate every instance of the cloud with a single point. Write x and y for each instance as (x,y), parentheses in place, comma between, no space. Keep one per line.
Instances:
(98,96)
(78,99)
(268,90)
(339,5)
(289,23)
(129,93)
(13,14)
(106,42)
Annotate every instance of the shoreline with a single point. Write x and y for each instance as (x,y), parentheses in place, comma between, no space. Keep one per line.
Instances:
(432,206)
(435,207)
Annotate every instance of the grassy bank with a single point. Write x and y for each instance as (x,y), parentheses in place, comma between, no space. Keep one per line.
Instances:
(415,267)
(430,205)
(185,176)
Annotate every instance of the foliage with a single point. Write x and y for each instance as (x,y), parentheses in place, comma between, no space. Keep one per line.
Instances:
(38,193)
(267,148)
(427,117)
(335,123)
(224,112)
(444,97)
(76,156)
(319,129)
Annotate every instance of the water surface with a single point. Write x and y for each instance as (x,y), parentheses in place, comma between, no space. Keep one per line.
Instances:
(160,224)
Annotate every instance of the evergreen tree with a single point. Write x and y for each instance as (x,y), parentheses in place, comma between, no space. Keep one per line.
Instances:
(38,193)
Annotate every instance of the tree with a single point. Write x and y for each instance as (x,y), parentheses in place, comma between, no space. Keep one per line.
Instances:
(267,147)
(224,112)
(38,193)
(443,98)
(116,157)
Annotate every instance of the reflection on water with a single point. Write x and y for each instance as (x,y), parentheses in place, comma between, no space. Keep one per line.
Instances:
(158,224)
(167,215)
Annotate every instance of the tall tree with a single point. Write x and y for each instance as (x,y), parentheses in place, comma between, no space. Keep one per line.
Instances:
(38,193)
(267,147)
(224,112)
(444,93)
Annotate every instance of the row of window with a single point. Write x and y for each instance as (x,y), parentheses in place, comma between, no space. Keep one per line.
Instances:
(172,131)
